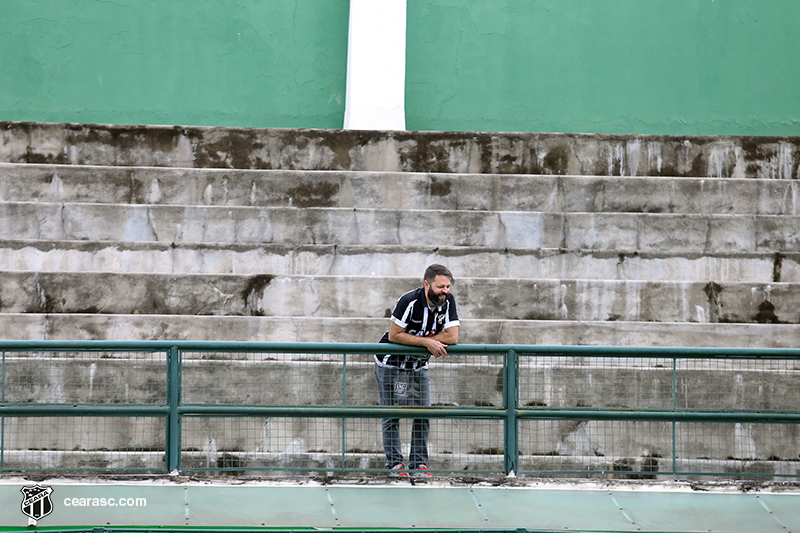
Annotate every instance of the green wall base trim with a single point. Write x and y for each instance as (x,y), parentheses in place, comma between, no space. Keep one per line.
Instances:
(403,504)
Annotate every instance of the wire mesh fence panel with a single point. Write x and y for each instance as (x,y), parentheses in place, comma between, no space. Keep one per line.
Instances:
(106,443)
(84,377)
(468,381)
(454,445)
(328,379)
(595,448)
(360,385)
(467,445)
(714,383)
(761,384)
(463,381)
(570,381)
(737,450)
(261,443)
(292,445)
(262,378)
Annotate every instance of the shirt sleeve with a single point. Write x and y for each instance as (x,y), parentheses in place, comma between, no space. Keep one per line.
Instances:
(402,311)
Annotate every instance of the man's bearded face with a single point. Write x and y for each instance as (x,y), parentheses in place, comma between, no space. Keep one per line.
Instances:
(438,291)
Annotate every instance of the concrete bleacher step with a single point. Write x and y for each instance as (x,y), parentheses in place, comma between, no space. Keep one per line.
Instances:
(392,260)
(400,151)
(372,296)
(596,237)
(89,326)
(622,232)
(395,190)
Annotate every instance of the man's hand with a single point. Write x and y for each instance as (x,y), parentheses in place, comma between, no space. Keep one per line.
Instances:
(436,348)
(434,344)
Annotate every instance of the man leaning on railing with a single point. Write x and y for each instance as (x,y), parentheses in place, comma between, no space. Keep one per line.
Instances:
(425,317)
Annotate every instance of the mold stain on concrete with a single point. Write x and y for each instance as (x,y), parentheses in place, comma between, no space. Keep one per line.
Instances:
(777,266)
(253,290)
(322,194)
(766,314)
(234,150)
(440,187)
(713,291)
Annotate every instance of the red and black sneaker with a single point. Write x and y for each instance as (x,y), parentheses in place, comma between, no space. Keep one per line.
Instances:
(398,470)
(422,471)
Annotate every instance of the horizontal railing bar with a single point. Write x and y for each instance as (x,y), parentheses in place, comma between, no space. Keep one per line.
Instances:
(368,348)
(660,416)
(342,411)
(338,469)
(49,409)
(401,412)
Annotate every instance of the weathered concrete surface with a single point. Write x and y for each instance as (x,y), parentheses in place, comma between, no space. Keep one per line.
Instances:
(78,460)
(392,260)
(631,467)
(504,153)
(641,467)
(39,437)
(308,329)
(184,327)
(394,190)
(339,296)
(620,232)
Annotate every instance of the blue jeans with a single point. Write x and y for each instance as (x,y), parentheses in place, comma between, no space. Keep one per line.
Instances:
(398,387)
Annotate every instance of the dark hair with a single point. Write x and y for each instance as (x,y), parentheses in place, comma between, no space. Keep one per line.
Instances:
(436,270)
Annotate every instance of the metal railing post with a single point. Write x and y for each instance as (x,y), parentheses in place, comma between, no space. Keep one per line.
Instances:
(3,419)
(674,408)
(344,403)
(173,401)
(511,440)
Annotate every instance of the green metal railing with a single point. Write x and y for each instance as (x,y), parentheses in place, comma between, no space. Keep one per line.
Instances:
(560,410)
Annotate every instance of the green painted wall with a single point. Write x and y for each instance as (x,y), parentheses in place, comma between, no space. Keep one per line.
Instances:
(726,67)
(251,63)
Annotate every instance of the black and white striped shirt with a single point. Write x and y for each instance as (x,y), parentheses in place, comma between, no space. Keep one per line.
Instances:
(416,317)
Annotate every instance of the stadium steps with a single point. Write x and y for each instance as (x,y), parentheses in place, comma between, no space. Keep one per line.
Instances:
(367,296)
(395,190)
(91,326)
(174,233)
(621,232)
(141,232)
(390,260)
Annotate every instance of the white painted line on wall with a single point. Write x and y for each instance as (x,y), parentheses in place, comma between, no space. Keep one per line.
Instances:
(376,65)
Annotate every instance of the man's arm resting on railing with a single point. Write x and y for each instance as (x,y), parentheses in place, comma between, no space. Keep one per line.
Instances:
(436,344)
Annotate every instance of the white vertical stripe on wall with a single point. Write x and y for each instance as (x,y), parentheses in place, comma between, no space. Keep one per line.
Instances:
(376,65)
